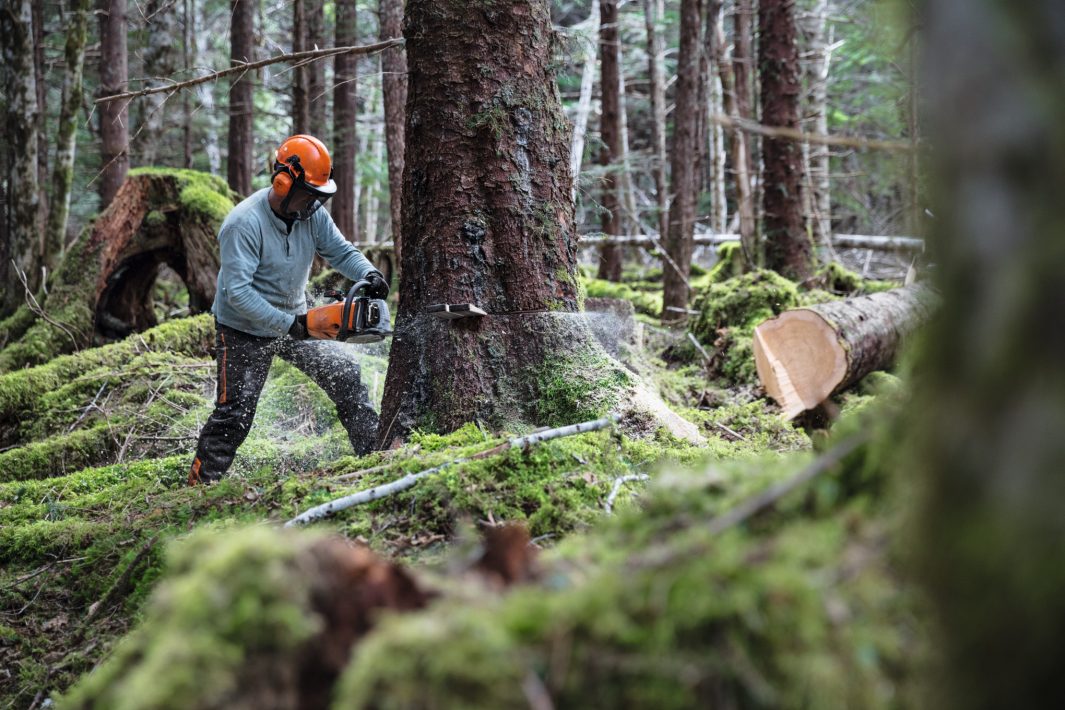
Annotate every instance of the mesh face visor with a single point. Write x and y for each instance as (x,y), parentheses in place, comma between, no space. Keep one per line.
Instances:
(302,190)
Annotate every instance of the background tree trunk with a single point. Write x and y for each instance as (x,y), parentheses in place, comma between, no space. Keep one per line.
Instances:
(990,409)
(394,86)
(584,101)
(653,11)
(743,66)
(788,249)
(610,135)
(66,144)
(21,123)
(715,133)
(684,164)
(488,220)
(301,117)
(345,139)
(241,103)
(114,116)
(317,95)
(205,93)
(160,62)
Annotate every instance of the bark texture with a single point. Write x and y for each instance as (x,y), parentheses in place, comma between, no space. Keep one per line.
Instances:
(241,89)
(103,288)
(394,88)
(788,249)
(988,438)
(301,116)
(806,355)
(114,115)
(345,138)
(66,145)
(21,207)
(610,135)
(487,220)
(684,163)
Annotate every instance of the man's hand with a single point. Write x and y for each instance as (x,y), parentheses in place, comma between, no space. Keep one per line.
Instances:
(298,329)
(378,286)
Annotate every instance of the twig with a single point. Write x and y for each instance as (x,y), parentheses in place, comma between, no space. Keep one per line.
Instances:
(730,432)
(700,348)
(371,494)
(793,134)
(33,305)
(618,482)
(245,67)
(87,408)
(120,584)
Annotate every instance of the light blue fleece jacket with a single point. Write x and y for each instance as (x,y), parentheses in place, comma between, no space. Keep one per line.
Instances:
(265,269)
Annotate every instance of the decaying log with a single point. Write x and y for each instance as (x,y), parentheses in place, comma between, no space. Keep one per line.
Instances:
(805,355)
(103,288)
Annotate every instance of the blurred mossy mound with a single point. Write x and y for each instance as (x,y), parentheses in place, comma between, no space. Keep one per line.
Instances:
(796,605)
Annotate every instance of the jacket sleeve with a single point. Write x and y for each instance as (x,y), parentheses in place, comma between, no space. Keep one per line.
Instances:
(338,251)
(239,251)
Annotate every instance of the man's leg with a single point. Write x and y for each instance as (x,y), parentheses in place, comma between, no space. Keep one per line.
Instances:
(336,370)
(243,363)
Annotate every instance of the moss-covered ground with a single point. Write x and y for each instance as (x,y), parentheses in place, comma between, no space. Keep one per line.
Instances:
(799,606)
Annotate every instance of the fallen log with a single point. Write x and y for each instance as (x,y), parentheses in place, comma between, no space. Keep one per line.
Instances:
(806,355)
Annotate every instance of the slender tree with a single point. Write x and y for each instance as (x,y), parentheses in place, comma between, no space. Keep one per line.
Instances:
(21,209)
(160,56)
(345,138)
(66,143)
(114,116)
(684,163)
(487,220)
(317,95)
(394,86)
(610,135)
(743,92)
(987,426)
(241,104)
(301,116)
(788,248)
(652,12)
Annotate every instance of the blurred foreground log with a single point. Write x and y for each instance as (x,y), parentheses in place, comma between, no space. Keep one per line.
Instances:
(807,354)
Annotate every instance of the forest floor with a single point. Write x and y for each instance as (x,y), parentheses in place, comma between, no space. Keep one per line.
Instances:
(637,595)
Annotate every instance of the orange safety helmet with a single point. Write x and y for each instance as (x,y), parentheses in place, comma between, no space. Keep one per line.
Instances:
(302,163)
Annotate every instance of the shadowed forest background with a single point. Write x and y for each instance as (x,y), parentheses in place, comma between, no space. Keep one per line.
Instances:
(749,395)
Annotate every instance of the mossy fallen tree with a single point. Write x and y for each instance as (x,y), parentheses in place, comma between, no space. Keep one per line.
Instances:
(102,289)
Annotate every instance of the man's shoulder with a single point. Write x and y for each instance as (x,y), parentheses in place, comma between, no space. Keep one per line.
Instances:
(246,212)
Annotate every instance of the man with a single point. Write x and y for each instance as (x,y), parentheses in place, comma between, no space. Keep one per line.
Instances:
(267,244)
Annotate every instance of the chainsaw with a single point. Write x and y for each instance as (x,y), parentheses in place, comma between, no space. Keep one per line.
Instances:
(352,319)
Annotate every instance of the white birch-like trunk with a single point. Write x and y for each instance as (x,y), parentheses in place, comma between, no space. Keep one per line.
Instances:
(590,31)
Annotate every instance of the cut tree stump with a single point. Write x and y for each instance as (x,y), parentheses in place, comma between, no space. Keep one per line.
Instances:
(806,355)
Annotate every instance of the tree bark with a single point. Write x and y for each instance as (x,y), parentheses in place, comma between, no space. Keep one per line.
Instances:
(684,163)
(345,138)
(41,85)
(610,135)
(103,288)
(241,99)
(584,101)
(985,432)
(160,62)
(788,248)
(204,92)
(301,116)
(22,208)
(114,116)
(488,220)
(743,69)
(66,144)
(806,355)
(816,69)
(394,86)
(715,133)
(317,96)
(653,11)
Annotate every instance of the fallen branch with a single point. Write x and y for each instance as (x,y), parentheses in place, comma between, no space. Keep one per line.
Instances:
(377,492)
(618,483)
(290,57)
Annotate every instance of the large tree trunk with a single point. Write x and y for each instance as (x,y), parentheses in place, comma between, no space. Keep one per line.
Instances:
(66,143)
(806,355)
(241,104)
(487,220)
(345,138)
(788,249)
(21,210)
(103,288)
(653,11)
(394,86)
(684,164)
(114,116)
(987,425)
(610,135)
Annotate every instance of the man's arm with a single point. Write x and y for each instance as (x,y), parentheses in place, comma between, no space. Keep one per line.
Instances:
(239,253)
(338,251)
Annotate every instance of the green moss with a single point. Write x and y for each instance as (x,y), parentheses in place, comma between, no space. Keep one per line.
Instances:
(578,387)
(647,303)
(730,262)
(205,202)
(59,454)
(233,598)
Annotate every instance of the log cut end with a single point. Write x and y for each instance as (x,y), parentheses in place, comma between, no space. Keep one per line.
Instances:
(800,360)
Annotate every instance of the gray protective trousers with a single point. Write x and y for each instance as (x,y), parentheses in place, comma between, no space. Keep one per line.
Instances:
(243,363)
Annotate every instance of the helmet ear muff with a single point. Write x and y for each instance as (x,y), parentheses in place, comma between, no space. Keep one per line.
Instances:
(283,178)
